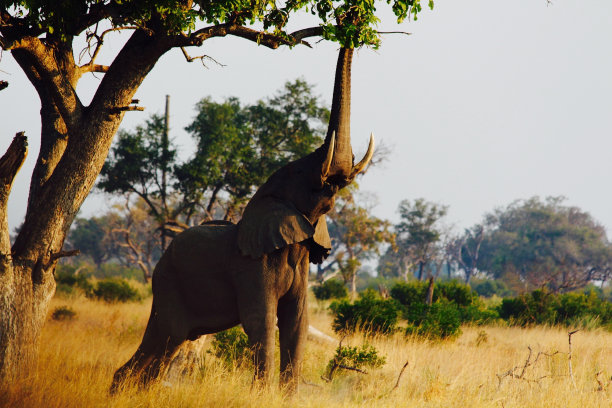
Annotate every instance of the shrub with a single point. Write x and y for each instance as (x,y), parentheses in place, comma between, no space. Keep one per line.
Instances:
(67,281)
(569,309)
(232,347)
(411,296)
(355,358)
(488,287)
(63,313)
(115,290)
(440,321)
(330,289)
(370,313)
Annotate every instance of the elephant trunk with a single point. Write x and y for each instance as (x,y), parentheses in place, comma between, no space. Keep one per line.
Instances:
(340,120)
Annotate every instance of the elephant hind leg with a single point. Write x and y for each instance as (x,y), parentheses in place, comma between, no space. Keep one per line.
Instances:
(153,353)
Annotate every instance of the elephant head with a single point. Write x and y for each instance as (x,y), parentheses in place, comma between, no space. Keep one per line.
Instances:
(290,206)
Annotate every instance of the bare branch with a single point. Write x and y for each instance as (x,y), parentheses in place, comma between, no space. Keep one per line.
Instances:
(201,58)
(120,109)
(99,42)
(61,254)
(400,376)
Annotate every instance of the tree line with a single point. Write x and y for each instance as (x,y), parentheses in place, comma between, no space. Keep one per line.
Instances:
(528,244)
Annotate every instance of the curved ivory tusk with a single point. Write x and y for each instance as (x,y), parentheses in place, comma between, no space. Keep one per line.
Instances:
(358,168)
(330,155)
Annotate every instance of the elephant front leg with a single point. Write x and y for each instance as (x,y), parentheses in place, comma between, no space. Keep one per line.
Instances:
(293,328)
(260,328)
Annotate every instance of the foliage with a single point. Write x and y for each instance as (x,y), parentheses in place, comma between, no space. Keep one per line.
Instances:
(441,320)
(465,249)
(330,289)
(92,238)
(370,313)
(356,235)
(355,358)
(67,279)
(454,297)
(545,243)
(239,147)
(232,347)
(63,313)
(568,309)
(417,234)
(115,290)
(490,287)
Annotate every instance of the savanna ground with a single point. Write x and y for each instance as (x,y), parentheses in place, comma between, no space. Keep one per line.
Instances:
(78,358)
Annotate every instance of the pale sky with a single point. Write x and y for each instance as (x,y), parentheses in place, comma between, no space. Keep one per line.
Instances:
(486,102)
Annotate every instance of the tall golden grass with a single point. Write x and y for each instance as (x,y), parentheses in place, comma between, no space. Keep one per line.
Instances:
(78,358)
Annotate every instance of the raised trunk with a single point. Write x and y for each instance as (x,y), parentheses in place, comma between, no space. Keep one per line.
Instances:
(340,119)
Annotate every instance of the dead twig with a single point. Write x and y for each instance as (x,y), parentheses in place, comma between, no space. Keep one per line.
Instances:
(513,372)
(601,385)
(201,58)
(569,356)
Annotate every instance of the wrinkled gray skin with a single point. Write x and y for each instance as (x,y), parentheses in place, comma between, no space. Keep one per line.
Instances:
(217,275)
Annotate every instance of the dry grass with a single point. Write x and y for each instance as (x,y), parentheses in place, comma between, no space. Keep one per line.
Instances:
(79,356)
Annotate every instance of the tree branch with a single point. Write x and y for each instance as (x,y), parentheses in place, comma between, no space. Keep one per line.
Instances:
(10,164)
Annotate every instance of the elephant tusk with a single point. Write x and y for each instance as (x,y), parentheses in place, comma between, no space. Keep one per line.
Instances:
(329,156)
(358,168)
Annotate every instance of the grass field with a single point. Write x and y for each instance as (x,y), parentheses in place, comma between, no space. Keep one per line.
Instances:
(78,358)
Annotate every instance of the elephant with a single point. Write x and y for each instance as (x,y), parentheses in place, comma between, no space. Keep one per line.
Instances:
(217,275)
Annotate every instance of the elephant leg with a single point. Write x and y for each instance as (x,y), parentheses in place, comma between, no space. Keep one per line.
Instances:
(260,328)
(293,328)
(154,352)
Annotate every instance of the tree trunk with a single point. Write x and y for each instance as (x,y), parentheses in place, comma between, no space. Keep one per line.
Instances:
(430,291)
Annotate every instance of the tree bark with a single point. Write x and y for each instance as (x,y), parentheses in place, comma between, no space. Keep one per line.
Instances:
(74,144)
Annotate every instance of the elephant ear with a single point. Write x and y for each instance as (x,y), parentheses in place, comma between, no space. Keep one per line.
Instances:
(322,241)
(269,224)
(321,235)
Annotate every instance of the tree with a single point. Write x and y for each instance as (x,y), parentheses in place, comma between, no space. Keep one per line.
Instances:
(417,235)
(92,237)
(465,250)
(239,147)
(546,243)
(75,138)
(356,236)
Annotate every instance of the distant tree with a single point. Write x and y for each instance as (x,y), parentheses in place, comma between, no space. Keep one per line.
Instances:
(141,163)
(132,228)
(239,147)
(91,236)
(465,250)
(418,232)
(546,243)
(356,235)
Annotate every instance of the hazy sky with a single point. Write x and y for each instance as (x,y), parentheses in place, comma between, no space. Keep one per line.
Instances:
(486,102)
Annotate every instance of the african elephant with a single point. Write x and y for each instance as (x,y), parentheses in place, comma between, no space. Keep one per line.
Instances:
(217,275)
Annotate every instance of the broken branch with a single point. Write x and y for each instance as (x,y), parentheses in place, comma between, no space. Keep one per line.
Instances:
(201,58)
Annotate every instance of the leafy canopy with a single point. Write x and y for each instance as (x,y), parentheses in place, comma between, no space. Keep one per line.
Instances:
(351,23)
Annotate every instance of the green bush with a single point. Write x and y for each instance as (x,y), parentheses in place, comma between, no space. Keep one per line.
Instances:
(355,358)
(411,296)
(330,289)
(488,287)
(63,313)
(67,281)
(441,320)
(115,290)
(370,313)
(232,347)
(568,309)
